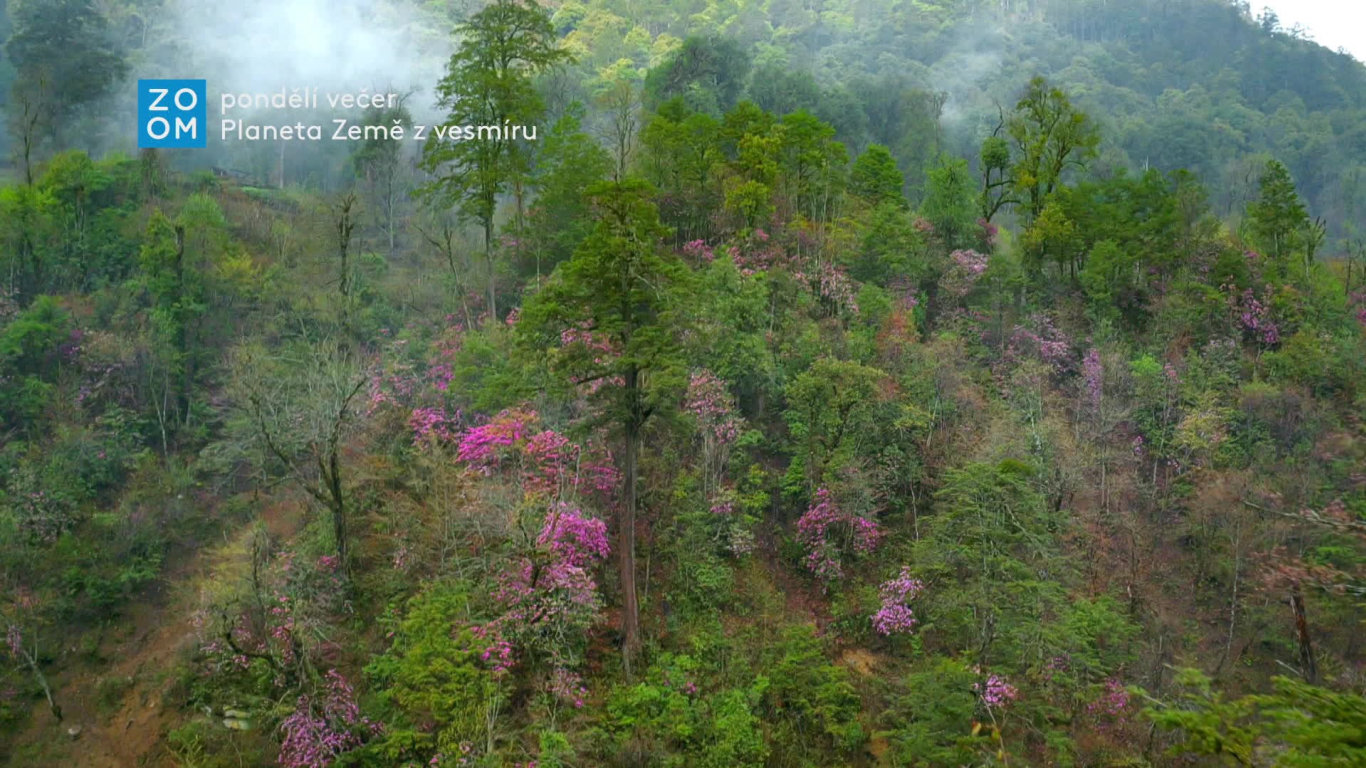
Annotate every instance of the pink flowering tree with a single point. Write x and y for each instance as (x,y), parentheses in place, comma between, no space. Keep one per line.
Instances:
(543,461)
(547,602)
(964,272)
(323,728)
(1255,317)
(831,535)
(711,405)
(1041,339)
(275,628)
(894,616)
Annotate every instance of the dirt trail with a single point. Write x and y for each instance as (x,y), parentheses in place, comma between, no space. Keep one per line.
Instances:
(141,654)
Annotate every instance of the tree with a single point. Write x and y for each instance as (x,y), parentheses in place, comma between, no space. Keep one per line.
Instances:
(996,182)
(1277,217)
(707,73)
(614,309)
(875,177)
(64,58)
(812,163)
(570,161)
(488,84)
(949,205)
(1051,137)
(300,405)
(378,163)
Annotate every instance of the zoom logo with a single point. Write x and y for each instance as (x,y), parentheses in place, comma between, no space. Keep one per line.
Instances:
(172,114)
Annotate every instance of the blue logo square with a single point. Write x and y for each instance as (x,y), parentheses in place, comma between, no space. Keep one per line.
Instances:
(172,114)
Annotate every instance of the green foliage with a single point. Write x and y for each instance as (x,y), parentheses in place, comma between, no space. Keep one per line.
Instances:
(829,415)
(431,679)
(1296,725)
(874,177)
(1051,138)
(671,719)
(932,724)
(949,204)
(31,359)
(707,73)
(1277,217)
(811,700)
(568,163)
(623,289)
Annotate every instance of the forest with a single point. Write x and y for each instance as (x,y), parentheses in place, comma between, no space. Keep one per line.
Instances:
(924,383)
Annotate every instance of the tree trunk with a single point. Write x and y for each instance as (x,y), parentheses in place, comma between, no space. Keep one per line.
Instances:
(626,529)
(1307,664)
(38,675)
(488,262)
(331,476)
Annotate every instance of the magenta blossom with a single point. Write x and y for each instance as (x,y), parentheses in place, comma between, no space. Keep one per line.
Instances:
(895,616)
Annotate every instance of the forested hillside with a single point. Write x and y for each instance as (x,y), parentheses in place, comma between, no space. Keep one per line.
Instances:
(830,384)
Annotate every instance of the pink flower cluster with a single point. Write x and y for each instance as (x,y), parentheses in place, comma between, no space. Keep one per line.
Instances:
(700,251)
(1047,342)
(572,538)
(433,424)
(315,739)
(710,401)
(895,616)
(965,269)
(1093,375)
(996,692)
(826,530)
(1112,702)
(550,462)
(1255,318)
(483,446)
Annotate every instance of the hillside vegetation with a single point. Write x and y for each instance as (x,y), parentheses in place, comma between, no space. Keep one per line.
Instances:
(849,384)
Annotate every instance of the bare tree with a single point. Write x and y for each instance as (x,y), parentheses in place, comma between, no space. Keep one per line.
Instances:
(301,406)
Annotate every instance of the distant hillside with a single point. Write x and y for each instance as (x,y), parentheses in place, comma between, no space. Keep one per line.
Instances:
(1196,84)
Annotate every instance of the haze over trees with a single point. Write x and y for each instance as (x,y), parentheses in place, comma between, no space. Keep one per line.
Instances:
(904,384)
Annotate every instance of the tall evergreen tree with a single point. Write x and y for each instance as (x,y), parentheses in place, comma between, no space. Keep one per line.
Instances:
(1277,217)
(622,297)
(489,82)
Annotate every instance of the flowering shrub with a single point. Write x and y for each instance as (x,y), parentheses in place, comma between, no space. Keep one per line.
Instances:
(1112,704)
(545,461)
(965,269)
(1254,317)
(835,289)
(433,424)
(485,445)
(548,600)
(827,531)
(1093,376)
(711,404)
(996,692)
(297,597)
(1043,340)
(895,616)
(316,737)
(699,251)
